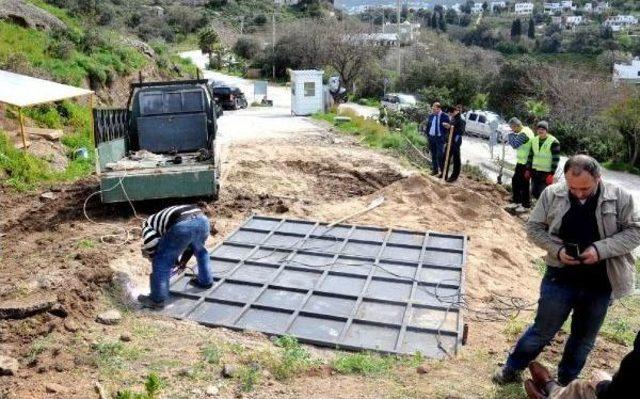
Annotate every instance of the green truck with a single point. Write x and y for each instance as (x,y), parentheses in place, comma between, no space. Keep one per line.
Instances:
(162,145)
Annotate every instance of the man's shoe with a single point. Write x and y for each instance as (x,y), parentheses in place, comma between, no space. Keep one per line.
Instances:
(532,390)
(434,172)
(540,375)
(194,281)
(149,303)
(439,175)
(504,377)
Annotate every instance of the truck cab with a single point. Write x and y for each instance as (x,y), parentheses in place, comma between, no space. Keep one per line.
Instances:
(163,145)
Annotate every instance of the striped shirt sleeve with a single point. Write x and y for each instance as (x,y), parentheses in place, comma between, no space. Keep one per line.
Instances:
(516,140)
(555,155)
(150,238)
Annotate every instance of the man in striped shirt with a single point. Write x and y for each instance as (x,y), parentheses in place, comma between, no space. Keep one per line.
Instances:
(173,232)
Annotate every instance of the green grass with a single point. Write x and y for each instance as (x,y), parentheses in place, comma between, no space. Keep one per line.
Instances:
(153,385)
(372,133)
(249,377)
(292,360)
(114,355)
(211,354)
(623,321)
(38,346)
(621,167)
(365,363)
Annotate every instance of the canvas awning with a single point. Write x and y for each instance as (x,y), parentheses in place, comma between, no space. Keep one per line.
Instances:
(23,91)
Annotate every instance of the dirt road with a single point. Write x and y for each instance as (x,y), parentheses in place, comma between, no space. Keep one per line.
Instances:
(275,165)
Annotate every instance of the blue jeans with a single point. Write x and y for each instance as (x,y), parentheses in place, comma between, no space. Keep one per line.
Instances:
(436,148)
(557,299)
(191,232)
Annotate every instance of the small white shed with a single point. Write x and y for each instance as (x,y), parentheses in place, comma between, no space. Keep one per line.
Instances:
(306,92)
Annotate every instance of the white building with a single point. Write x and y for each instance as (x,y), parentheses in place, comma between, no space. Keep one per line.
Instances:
(619,22)
(588,7)
(552,8)
(287,2)
(627,73)
(574,20)
(524,8)
(568,6)
(497,5)
(306,92)
(477,8)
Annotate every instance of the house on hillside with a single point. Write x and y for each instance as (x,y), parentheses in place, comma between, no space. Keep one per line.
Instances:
(620,22)
(523,8)
(568,6)
(407,33)
(377,39)
(624,73)
(552,8)
(568,21)
(477,8)
(497,5)
(287,2)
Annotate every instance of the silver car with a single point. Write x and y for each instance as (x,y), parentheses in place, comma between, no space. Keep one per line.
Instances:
(484,123)
(398,101)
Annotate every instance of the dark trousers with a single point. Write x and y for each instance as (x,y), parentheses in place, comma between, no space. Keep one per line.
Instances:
(436,148)
(521,187)
(538,183)
(453,169)
(557,299)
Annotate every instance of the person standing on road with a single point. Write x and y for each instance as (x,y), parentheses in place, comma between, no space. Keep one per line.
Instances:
(457,128)
(520,139)
(176,231)
(436,133)
(589,229)
(543,159)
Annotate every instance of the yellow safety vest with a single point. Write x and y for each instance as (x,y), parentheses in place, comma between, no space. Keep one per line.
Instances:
(542,157)
(524,150)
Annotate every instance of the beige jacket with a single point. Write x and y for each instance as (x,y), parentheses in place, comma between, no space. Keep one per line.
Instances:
(618,223)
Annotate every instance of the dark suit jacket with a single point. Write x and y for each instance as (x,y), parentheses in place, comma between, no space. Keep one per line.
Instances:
(440,130)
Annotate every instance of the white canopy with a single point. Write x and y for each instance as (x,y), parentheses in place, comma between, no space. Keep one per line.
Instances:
(22,91)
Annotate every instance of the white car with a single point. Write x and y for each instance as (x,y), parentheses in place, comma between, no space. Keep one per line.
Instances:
(398,101)
(483,123)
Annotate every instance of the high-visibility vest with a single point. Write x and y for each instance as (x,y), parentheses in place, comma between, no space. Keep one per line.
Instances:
(524,150)
(542,157)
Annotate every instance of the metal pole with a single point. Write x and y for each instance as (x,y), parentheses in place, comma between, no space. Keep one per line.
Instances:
(92,127)
(273,40)
(398,67)
(24,139)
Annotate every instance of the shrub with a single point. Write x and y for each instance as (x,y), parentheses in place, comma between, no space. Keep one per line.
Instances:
(247,48)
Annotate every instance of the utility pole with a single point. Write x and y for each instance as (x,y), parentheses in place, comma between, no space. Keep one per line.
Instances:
(383,12)
(241,25)
(398,67)
(273,40)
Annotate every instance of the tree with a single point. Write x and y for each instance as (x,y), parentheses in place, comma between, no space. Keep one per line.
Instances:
(625,117)
(480,101)
(207,40)
(466,7)
(451,16)
(485,7)
(531,32)
(434,21)
(516,29)
(442,25)
(537,110)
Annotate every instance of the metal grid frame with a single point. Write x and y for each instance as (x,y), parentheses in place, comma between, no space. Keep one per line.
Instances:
(350,287)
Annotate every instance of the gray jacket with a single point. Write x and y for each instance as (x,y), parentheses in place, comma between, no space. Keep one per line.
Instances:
(618,222)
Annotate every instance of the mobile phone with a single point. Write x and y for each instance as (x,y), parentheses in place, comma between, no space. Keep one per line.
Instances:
(572,250)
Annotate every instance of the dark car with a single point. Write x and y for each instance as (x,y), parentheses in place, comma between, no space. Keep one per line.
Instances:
(229,97)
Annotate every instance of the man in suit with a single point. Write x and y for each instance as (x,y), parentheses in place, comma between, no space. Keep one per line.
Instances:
(436,134)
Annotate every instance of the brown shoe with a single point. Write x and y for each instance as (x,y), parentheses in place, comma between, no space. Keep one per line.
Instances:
(540,375)
(532,390)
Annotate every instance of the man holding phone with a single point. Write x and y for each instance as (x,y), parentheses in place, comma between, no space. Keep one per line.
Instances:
(589,229)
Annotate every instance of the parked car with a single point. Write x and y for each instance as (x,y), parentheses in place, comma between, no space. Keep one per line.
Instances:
(229,97)
(398,101)
(482,123)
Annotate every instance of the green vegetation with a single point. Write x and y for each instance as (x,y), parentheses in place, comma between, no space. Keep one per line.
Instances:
(114,355)
(249,376)
(623,321)
(365,363)
(293,359)
(153,385)
(38,346)
(211,354)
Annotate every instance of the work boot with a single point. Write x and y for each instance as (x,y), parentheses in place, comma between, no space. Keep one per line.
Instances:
(434,172)
(505,376)
(532,390)
(540,375)
(194,281)
(148,303)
